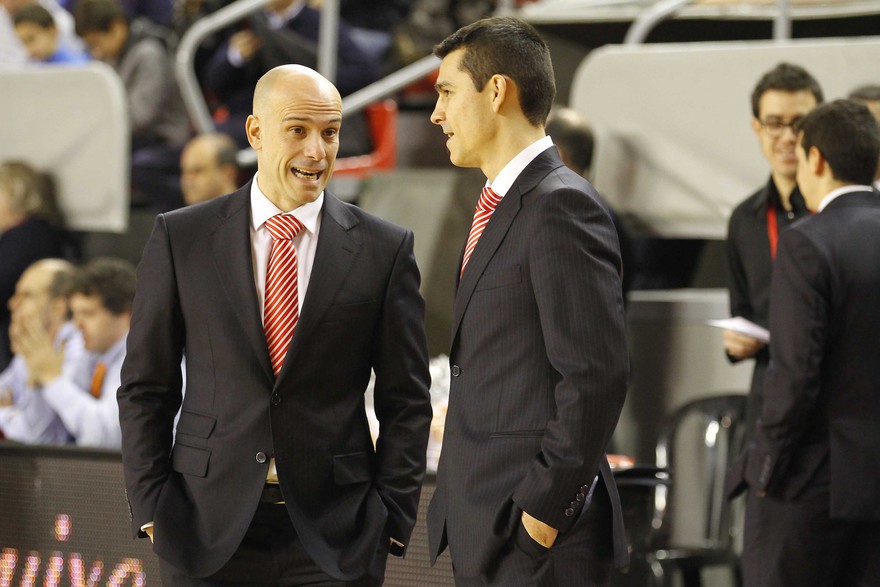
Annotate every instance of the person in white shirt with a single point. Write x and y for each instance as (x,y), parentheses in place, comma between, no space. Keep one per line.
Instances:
(84,398)
(39,313)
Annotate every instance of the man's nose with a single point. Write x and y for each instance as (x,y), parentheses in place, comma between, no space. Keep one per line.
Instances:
(315,148)
(438,116)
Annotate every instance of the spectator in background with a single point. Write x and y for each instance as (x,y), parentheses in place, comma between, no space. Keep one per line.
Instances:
(208,168)
(84,398)
(573,137)
(139,53)
(286,31)
(39,311)
(869,96)
(31,228)
(813,509)
(373,21)
(36,30)
(781,98)
(12,53)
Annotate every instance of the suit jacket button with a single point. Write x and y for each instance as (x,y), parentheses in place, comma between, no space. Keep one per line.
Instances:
(276,399)
(455,370)
(569,512)
(580,496)
(585,489)
(261,457)
(575,504)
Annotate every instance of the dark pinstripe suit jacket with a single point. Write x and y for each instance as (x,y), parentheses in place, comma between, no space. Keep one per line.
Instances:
(539,365)
(362,310)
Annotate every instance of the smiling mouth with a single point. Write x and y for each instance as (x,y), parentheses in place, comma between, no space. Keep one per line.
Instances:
(304,174)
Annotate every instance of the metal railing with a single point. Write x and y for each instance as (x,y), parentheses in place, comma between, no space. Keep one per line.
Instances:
(194,99)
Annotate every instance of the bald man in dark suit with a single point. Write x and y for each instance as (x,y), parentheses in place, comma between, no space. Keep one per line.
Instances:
(273,478)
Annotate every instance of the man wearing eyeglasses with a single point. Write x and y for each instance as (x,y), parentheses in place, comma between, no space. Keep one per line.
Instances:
(782,97)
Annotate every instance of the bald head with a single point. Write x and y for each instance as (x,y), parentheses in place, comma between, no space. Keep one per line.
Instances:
(208,167)
(573,137)
(41,292)
(287,78)
(295,131)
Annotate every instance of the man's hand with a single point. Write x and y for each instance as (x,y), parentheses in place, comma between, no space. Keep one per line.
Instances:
(35,346)
(539,531)
(246,43)
(740,346)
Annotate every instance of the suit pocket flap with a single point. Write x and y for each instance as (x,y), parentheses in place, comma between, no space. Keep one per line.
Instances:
(190,460)
(500,278)
(352,468)
(195,424)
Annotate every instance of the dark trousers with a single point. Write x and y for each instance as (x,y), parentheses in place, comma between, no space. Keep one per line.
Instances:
(796,543)
(582,556)
(271,554)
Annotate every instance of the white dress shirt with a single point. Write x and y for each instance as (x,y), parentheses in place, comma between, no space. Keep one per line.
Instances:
(30,419)
(92,421)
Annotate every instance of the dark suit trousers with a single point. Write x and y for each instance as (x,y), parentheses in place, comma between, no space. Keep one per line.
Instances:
(271,554)
(796,543)
(582,556)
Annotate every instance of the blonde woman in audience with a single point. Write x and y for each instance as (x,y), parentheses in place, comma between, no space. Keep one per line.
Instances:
(31,228)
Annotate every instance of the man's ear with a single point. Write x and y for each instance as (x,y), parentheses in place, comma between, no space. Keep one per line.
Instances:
(252,130)
(500,86)
(816,161)
(756,126)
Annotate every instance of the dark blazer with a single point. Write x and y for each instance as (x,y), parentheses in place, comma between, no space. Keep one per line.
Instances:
(821,405)
(196,295)
(539,369)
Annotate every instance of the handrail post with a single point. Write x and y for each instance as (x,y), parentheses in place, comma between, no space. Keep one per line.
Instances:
(328,39)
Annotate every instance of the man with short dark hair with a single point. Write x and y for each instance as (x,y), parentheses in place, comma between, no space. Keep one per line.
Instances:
(100,296)
(782,97)
(538,359)
(138,51)
(813,511)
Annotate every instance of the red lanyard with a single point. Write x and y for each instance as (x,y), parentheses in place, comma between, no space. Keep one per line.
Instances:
(772,229)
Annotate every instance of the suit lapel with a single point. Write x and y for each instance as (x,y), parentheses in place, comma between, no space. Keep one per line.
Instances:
(232,257)
(497,228)
(338,246)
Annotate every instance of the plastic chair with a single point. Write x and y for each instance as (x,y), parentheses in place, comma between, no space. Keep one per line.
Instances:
(382,122)
(696,446)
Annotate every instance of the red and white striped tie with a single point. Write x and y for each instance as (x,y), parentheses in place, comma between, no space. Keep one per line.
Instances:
(485,207)
(281,309)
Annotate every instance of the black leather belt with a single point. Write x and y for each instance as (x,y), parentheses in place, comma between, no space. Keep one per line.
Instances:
(271,494)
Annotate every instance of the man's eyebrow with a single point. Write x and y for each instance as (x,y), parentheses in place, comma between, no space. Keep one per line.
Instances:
(441,85)
(306,118)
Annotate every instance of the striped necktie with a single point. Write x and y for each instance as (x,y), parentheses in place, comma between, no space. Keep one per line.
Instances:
(485,207)
(281,310)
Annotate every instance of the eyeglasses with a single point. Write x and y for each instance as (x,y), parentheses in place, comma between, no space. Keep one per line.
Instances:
(775,128)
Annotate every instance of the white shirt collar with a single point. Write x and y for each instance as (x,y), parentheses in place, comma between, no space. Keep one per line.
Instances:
(515,166)
(262,209)
(834,194)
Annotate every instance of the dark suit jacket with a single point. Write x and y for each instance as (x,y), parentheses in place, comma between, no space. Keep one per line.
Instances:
(196,295)
(539,368)
(821,405)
